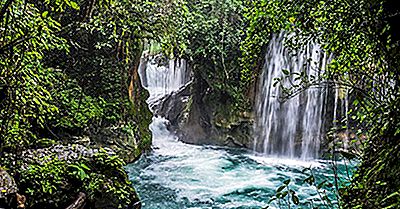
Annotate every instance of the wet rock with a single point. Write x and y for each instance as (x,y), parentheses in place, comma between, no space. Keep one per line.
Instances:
(173,105)
(124,143)
(197,117)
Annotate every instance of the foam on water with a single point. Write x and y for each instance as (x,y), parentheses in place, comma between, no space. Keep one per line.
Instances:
(178,175)
(268,160)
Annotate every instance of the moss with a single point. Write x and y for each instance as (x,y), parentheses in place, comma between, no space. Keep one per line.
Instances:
(52,177)
(142,116)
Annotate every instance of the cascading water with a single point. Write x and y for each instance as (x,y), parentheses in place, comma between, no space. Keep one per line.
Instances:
(293,128)
(341,109)
(177,175)
(160,79)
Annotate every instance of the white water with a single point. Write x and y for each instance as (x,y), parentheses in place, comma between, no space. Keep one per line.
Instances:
(293,128)
(161,80)
(179,176)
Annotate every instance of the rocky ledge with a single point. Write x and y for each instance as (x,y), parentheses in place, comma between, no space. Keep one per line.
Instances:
(65,176)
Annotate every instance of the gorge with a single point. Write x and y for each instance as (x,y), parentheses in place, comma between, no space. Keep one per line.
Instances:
(180,175)
(176,104)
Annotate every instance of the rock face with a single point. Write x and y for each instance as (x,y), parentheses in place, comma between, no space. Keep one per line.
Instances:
(211,118)
(199,116)
(173,106)
(125,142)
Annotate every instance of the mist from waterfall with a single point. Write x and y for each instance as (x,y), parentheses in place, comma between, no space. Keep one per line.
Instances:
(292,128)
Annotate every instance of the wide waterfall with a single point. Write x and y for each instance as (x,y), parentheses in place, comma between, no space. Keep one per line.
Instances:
(292,128)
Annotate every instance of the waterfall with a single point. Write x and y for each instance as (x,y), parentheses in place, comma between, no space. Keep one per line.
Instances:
(340,112)
(293,128)
(162,79)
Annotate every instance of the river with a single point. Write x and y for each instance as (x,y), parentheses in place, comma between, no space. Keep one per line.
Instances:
(176,175)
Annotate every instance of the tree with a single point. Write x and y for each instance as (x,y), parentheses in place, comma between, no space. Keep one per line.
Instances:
(365,60)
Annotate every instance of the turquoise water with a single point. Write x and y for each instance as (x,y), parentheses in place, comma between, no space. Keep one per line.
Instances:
(177,175)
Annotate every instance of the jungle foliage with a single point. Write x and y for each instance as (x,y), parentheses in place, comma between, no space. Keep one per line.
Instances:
(208,33)
(68,70)
(361,36)
(225,43)
(66,67)
(53,180)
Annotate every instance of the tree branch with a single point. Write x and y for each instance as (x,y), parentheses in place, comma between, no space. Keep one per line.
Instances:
(79,202)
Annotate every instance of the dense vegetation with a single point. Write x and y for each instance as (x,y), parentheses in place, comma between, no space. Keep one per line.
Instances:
(360,36)
(230,37)
(69,69)
(66,67)
(69,75)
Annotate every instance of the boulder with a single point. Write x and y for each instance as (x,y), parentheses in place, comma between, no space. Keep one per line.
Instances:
(196,117)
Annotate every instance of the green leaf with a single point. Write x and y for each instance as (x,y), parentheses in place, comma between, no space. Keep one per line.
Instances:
(305,169)
(287,182)
(320,185)
(285,71)
(74,5)
(284,194)
(85,167)
(45,13)
(310,180)
(272,199)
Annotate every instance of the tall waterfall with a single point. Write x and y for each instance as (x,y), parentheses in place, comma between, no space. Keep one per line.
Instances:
(293,128)
(162,79)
